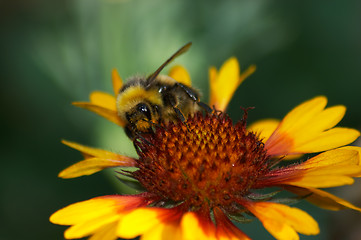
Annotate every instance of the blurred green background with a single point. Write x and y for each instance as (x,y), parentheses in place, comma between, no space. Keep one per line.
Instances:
(56,52)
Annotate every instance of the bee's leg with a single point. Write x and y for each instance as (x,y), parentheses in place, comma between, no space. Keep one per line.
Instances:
(139,137)
(170,100)
(203,105)
(133,133)
(194,97)
(180,114)
(129,133)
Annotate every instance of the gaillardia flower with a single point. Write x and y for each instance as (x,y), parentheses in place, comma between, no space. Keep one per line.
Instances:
(198,178)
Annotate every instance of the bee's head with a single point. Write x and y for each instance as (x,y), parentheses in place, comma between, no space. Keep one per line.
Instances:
(141,116)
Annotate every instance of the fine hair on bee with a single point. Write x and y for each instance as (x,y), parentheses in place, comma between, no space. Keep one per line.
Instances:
(144,102)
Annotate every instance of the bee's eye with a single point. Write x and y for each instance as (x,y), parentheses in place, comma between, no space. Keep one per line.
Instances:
(143,108)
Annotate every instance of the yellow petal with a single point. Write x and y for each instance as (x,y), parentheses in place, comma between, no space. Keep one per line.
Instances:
(143,220)
(323,199)
(104,100)
(193,228)
(282,221)
(358,149)
(282,141)
(85,210)
(303,113)
(326,119)
(93,152)
(104,112)
(117,82)
(226,230)
(90,166)
(322,181)
(107,232)
(328,169)
(314,127)
(330,139)
(226,84)
(91,226)
(228,235)
(264,128)
(212,74)
(308,128)
(95,216)
(249,71)
(163,232)
(336,157)
(96,160)
(181,75)
(353,148)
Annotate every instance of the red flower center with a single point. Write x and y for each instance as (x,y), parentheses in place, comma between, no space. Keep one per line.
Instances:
(207,162)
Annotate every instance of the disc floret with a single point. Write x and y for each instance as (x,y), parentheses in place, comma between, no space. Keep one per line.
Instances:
(209,162)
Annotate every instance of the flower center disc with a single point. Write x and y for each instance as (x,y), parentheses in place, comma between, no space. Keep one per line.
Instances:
(208,160)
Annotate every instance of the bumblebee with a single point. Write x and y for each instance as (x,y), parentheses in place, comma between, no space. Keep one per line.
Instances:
(145,101)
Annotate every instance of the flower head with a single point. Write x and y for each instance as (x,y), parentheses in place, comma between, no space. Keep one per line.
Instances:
(208,163)
(200,176)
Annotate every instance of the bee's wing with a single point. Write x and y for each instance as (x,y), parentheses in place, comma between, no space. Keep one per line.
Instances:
(182,50)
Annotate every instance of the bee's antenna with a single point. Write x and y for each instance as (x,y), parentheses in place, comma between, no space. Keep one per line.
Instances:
(182,50)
